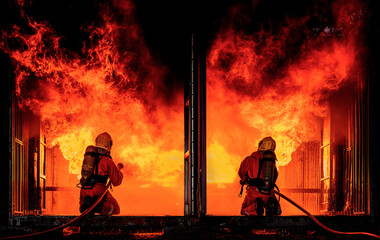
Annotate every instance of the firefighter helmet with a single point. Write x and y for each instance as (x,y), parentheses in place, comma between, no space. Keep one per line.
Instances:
(267,144)
(104,141)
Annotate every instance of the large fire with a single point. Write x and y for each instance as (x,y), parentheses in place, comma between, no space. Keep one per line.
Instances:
(264,83)
(112,85)
(272,83)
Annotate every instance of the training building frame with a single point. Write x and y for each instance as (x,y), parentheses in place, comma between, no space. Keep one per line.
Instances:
(353,166)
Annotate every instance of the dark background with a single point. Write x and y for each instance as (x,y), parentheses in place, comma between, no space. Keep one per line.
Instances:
(167,27)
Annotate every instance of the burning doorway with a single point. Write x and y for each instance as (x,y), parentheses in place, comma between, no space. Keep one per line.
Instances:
(241,81)
(296,74)
(65,93)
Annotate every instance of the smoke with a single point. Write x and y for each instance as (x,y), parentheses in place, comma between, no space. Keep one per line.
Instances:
(258,54)
(104,79)
(271,70)
(85,34)
(273,75)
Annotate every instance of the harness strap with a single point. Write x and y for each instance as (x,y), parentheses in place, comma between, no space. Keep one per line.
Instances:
(256,182)
(95,178)
(100,179)
(242,185)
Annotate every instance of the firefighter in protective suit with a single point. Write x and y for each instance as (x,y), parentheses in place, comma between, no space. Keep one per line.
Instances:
(104,168)
(259,172)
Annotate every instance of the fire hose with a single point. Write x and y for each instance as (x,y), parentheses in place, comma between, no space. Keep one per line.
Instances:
(108,185)
(321,224)
(88,210)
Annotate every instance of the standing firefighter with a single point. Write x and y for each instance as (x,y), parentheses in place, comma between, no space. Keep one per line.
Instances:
(97,168)
(259,172)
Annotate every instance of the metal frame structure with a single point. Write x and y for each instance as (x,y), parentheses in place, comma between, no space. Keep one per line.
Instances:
(195,155)
(195,133)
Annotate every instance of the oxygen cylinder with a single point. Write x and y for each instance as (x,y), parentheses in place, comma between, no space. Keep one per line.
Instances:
(267,170)
(88,162)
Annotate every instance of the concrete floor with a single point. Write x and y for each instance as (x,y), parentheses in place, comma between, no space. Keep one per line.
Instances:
(184,228)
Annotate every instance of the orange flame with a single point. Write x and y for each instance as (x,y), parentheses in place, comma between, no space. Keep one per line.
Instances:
(113,85)
(257,87)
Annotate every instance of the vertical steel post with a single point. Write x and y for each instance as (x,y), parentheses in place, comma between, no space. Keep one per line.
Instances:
(195,133)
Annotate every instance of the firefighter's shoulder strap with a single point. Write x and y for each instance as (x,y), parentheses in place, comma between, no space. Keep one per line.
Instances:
(98,157)
(90,168)
(95,175)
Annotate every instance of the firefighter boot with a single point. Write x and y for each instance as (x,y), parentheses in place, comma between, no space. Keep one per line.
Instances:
(88,202)
(273,207)
(259,206)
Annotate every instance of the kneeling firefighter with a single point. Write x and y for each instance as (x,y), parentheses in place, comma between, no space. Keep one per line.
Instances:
(259,172)
(97,168)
